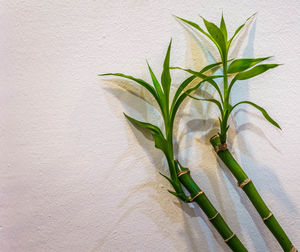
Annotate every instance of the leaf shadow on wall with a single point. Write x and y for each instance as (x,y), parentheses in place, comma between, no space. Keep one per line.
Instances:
(129,95)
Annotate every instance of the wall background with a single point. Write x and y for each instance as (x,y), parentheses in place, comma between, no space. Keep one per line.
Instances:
(76,176)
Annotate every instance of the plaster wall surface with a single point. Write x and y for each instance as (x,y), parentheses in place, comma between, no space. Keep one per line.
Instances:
(76,176)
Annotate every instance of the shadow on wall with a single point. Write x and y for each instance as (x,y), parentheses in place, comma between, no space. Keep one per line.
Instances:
(194,125)
(205,127)
(202,127)
(265,172)
(171,207)
(211,173)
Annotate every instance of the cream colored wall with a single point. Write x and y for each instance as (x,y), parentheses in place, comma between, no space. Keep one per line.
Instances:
(76,176)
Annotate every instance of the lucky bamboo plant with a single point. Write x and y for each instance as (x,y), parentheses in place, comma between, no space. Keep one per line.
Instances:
(164,141)
(234,71)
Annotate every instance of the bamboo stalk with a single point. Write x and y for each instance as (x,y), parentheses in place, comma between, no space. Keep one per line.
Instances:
(247,185)
(212,214)
(164,142)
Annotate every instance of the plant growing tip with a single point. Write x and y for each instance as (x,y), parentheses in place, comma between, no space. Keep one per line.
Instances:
(240,69)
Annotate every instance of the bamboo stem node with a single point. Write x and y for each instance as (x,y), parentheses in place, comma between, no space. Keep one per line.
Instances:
(245,182)
(227,240)
(211,218)
(293,249)
(269,215)
(183,172)
(221,147)
(193,198)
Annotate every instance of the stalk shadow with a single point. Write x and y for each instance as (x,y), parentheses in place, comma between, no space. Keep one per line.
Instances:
(243,91)
(263,171)
(161,196)
(251,211)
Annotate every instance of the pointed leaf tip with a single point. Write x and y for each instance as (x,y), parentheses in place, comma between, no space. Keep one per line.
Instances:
(255,71)
(262,110)
(165,76)
(217,36)
(242,64)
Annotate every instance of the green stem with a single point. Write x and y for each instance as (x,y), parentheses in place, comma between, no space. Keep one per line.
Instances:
(225,78)
(226,106)
(213,215)
(247,185)
(216,219)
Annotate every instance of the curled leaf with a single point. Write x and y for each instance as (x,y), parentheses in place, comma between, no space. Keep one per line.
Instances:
(159,139)
(139,81)
(209,100)
(262,110)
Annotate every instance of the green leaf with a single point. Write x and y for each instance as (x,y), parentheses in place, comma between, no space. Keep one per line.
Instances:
(155,82)
(181,87)
(251,73)
(139,81)
(217,35)
(165,76)
(209,79)
(167,178)
(209,100)
(175,183)
(240,65)
(181,196)
(159,91)
(263,111)
(186,82)
(210,66)
(223,28)
(176,105)
(254,71)
(195,26)
(214,34)
(177,187)
(159,139)
(238,29)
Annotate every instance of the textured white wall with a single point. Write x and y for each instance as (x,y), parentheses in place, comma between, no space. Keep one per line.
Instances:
(75,176)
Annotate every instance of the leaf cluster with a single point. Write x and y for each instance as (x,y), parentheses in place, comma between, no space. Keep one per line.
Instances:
(234,69)
(161,93)
(237,70)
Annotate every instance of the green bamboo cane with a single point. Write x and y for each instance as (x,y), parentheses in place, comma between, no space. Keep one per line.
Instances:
(247,185)
(239,69)
(213,215)
(164,142)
